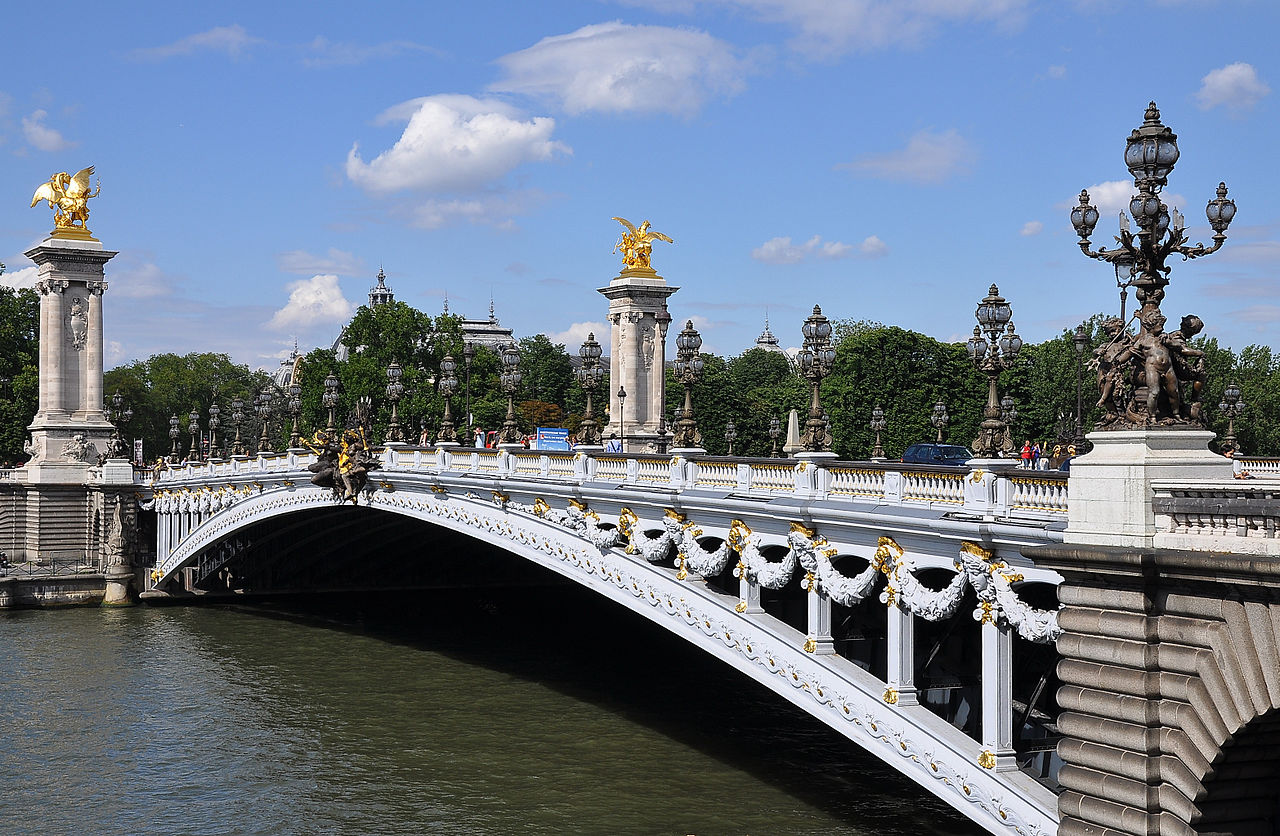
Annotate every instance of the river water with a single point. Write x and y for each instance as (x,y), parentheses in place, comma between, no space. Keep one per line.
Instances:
(441,713)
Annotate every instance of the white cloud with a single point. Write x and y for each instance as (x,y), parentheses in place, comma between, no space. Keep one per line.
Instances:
(1057,71)
(314,301)
(1032,228)
(335,261)
(40,135)
(617,67)
(873,247)
(232,40)
(573,336)
(927,158)
(23,278)
(454,143)
(1235,86)
(322,52)
(140,281)
(782,251)
(826,29)
(489,209)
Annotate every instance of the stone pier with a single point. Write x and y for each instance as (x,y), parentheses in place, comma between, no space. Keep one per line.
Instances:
(638,348)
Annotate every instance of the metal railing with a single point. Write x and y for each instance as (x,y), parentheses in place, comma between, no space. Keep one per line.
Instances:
(1039,495)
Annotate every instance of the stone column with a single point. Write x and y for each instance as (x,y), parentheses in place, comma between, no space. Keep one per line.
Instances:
(901,675)
(819,640)
(91,404)
(638,315)
(997,698)
(70,429)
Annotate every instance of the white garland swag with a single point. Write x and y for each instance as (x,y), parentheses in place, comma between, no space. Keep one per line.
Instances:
(990,579)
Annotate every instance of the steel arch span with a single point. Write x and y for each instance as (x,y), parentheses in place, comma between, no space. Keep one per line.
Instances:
(909,738)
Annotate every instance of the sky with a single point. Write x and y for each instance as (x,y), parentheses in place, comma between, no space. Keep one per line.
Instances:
(886,159)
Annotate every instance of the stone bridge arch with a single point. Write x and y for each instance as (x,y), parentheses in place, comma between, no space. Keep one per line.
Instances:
(1171,693)
(551,526)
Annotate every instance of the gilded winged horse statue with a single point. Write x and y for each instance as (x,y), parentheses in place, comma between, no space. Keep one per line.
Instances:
(636,244)
(68,197)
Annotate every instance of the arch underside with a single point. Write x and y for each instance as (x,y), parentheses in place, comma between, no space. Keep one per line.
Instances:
(910,739)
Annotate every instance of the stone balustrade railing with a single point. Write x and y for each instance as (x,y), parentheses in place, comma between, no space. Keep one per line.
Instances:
(1261,467)
(1237,517)
(1004,494)
(8,474)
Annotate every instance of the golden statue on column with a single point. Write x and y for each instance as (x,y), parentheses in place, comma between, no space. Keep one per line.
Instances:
(68,196)
(636,245)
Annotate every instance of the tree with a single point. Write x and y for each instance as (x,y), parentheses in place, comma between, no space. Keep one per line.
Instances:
(19,368)
(169,384)
(905,373)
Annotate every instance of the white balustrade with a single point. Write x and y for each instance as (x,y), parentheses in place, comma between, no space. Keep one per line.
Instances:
(652,470)
(773,477)
(488,461)
(716,474)
(930,486)
(1038,493)
(611,468)
(560,465)
(857,481)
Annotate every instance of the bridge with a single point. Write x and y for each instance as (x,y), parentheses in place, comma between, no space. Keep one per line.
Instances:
(1094,654)
(891,602)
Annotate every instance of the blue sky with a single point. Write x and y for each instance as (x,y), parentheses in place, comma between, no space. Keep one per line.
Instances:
(887,160)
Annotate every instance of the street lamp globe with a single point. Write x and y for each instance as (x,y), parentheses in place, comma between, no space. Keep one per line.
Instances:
(1151,150)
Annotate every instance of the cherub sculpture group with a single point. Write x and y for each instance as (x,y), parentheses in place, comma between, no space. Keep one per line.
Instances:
(1150,378)
(343,462)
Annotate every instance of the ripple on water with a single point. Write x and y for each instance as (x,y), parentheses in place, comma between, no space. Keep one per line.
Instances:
(218,721)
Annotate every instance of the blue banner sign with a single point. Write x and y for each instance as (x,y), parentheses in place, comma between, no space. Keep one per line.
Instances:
(552,438)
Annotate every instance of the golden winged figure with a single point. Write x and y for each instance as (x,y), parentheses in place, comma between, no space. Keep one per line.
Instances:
(68,197)
(636,244)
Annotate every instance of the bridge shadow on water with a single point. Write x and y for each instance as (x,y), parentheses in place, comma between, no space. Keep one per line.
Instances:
(561,636)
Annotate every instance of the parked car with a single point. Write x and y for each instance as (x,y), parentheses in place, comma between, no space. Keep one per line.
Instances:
(936,454)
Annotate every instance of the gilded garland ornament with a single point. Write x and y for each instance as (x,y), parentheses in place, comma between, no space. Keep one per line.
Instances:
(68,196)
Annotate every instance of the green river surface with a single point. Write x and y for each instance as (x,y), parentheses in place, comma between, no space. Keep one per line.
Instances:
(538,711)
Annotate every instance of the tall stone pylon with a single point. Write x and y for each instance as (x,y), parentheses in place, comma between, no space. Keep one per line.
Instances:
(638,321)
(71,427)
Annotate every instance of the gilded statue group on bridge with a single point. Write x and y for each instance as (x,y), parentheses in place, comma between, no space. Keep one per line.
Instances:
(68,196)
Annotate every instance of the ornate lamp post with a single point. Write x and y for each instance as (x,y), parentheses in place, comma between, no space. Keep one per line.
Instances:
(510,380)
(1008,411)
(295,412)
(730,435)
(877,425)
(468,354)
(775,430)
(215,421)
(237,419)
(939,418)
(193,427)
(993,354)
(1232,407)
(330,400)
(395,390)
(448,385)
(173,434)
(815,360)
(590,374)
(1080,340)
(622,419)
(688,368)
(265,397)
(1150,154)
(120,415)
